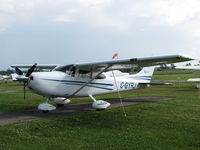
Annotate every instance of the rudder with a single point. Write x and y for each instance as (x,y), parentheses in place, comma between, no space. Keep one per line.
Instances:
(145,74)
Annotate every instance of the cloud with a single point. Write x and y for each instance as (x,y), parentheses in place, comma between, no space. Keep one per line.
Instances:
(115,17)
(25,4)
(68,16)
(94,3)
(3,28)
(105,21)
(122,16)
(168,12)
(6,6)
(94,14)
(10,10)
(62,19)
(133,16)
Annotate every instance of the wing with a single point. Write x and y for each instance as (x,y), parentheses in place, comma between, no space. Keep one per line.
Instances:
(39,66)
(133,62)
(119,64)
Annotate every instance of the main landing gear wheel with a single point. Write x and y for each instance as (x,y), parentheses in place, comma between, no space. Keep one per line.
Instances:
(99,104)
(46,107)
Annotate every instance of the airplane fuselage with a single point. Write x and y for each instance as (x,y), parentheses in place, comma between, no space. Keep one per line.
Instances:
(60,84)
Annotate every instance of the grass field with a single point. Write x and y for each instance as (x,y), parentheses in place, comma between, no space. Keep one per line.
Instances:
(165,125)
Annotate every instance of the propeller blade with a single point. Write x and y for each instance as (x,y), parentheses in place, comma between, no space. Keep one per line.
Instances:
(30,71)
(18,71)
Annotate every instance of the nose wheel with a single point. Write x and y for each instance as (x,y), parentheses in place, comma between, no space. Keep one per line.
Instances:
(45,111)
(61,101)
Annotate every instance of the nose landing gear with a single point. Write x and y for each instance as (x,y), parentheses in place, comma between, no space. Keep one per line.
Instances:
(61,101)
(46,107)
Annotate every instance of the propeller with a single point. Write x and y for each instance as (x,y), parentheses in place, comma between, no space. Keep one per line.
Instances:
(30,71)
(18,71)
(24,90)
(24,78)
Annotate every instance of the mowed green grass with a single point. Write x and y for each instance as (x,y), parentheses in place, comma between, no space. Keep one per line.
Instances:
(14,100)
(175,74)
(164,125)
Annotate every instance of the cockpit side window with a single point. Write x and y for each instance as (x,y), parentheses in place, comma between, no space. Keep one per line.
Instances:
(66,69)
(101,76)
(71,70)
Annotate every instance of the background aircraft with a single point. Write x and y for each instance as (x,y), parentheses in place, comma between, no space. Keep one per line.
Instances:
(4,77)
(192,65)
(195,65)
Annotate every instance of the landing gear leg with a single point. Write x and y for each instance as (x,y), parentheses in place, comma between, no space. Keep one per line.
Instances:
(47,102)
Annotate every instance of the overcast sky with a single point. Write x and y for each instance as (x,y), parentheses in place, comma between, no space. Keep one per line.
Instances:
(71,31)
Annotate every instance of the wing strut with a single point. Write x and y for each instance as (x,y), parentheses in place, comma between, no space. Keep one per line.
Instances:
(88,82)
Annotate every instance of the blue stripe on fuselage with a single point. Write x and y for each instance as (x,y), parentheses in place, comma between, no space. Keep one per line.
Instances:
(141,77)
(71,81)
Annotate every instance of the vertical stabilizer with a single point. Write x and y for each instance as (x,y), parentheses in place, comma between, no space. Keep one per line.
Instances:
(145,74)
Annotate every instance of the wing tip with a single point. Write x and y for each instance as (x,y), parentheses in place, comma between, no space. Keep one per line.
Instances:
(185,56)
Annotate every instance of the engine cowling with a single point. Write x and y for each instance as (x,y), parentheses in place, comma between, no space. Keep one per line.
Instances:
(100,105)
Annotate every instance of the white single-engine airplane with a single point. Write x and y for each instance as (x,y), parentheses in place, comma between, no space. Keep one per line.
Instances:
(88,79)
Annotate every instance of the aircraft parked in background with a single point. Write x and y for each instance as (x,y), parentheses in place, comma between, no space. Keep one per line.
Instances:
(188,67)
(195,65)
(191,66)
(89,79)
(4,77)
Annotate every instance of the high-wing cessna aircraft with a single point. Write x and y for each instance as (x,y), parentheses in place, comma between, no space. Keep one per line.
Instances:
(90,79)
